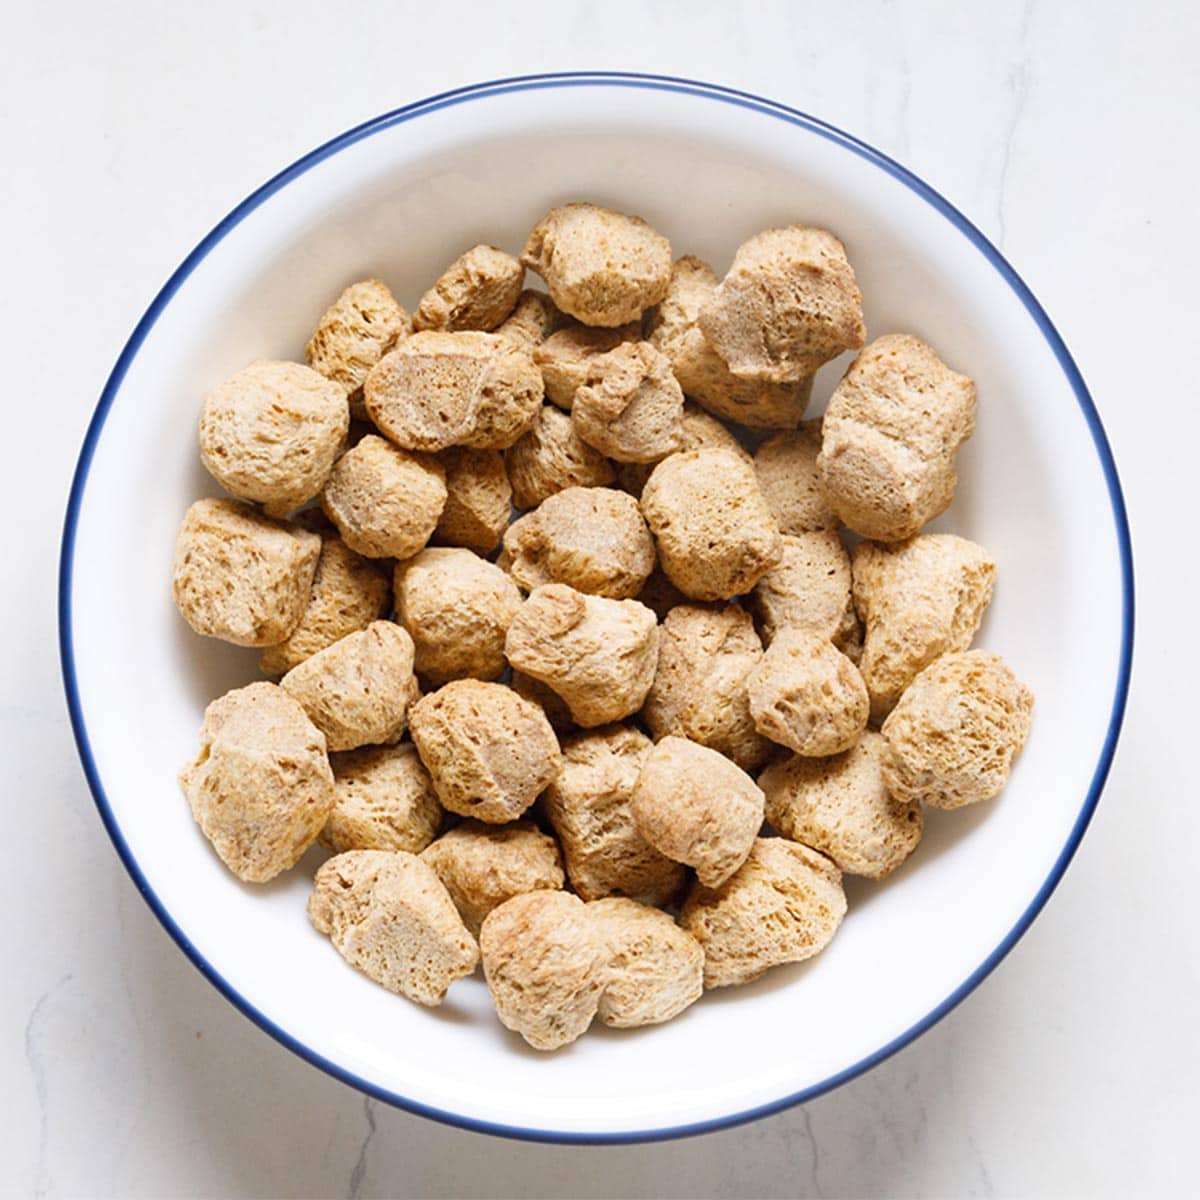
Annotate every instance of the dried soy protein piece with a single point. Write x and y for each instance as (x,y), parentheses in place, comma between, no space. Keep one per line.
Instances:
(478,499)
(697,430)
(566,357)
(532,320)
(477,291)
(551,456)
(786,466)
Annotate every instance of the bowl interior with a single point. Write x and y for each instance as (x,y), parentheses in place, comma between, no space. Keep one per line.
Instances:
(401,203)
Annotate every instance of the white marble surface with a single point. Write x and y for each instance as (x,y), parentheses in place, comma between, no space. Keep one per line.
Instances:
(1065,130)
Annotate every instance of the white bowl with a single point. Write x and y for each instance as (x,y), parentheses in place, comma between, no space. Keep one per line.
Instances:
(400,197)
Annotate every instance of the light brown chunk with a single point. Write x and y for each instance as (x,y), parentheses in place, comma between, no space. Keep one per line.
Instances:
(271,433)
(545,966)
(602,267)
(532,320)
(457,607)
(589,808)
(696,807)
(384,800)
(597,654)
(261,788)
(807,695)
(890,436)
(357,691)
(488,751)
(565,358)
(784,905)
(705,657)
(477,291)
(697,429)
(654,969)
(593,539)
(789,304)
(955,732)
(552,456)
(630,406)
(484,865)
(918,599)
(385,502)
(242,577)
(478,499)
(786,466)
(715,535)
(389,916)
(839,806)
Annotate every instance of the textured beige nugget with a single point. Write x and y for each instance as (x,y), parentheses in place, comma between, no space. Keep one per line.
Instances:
(565,358)
(705,657)
(630,407)
(478,499)
(477,291)
(696,807)
(702,373)
(918,599)
(602,267)
(784,905)
(653,969)
(383,800)
(599,655)
(551,456)
(716,536)
(457,607)
(545,966)
(489,751)
(440,389)
(272,433)
(385,502)
(789,304)
(357,691)
(593,539)
(241,577)
(348,593)
(807,695)
(388,914)
(696,430)
(484,865)
(261,787)
(786,466)
(589,807)
(532,320)
(954,734)
(889,438)
(357,330)
(840,806)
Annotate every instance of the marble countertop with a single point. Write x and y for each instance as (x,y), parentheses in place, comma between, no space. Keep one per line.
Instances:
(1064,130)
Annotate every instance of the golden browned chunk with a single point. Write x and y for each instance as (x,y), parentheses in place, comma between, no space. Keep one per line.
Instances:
(654,969)
(954,734)
(597,654)
(696,807)
(889,438)
(545,966)
(602,267)
(630,406)
(550,702)
(477,291)
(839,806)
(807,695)
(702,373)
(484,865)
(786,466)
(458,608)
(241,577)
(593,539)
(552,456)
(388,914)
(697,429)
(716,536)
(261,788)
(348,593)
(360,327)
(489,751)
(439,389)
(589,807)
(532,320)
(705,656)
(383,800)
(271,433)
(789,304)
(478,499)
(566,356)
(784,905)
(386,502)
(357,691)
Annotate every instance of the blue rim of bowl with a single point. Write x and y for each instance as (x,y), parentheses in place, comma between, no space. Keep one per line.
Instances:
(661,83)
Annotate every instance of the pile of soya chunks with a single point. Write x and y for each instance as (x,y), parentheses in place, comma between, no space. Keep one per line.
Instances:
(607,697)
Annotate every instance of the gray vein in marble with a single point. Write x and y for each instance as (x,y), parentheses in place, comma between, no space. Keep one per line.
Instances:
(358,1174)
(814,1169)
(37,1068)
(1018,84)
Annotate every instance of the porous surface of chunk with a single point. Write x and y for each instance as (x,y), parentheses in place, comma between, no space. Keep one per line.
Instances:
(697,429)
(477,291)
(478,499)
(565,357)
(532,320)
(551,456)
(786,466)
